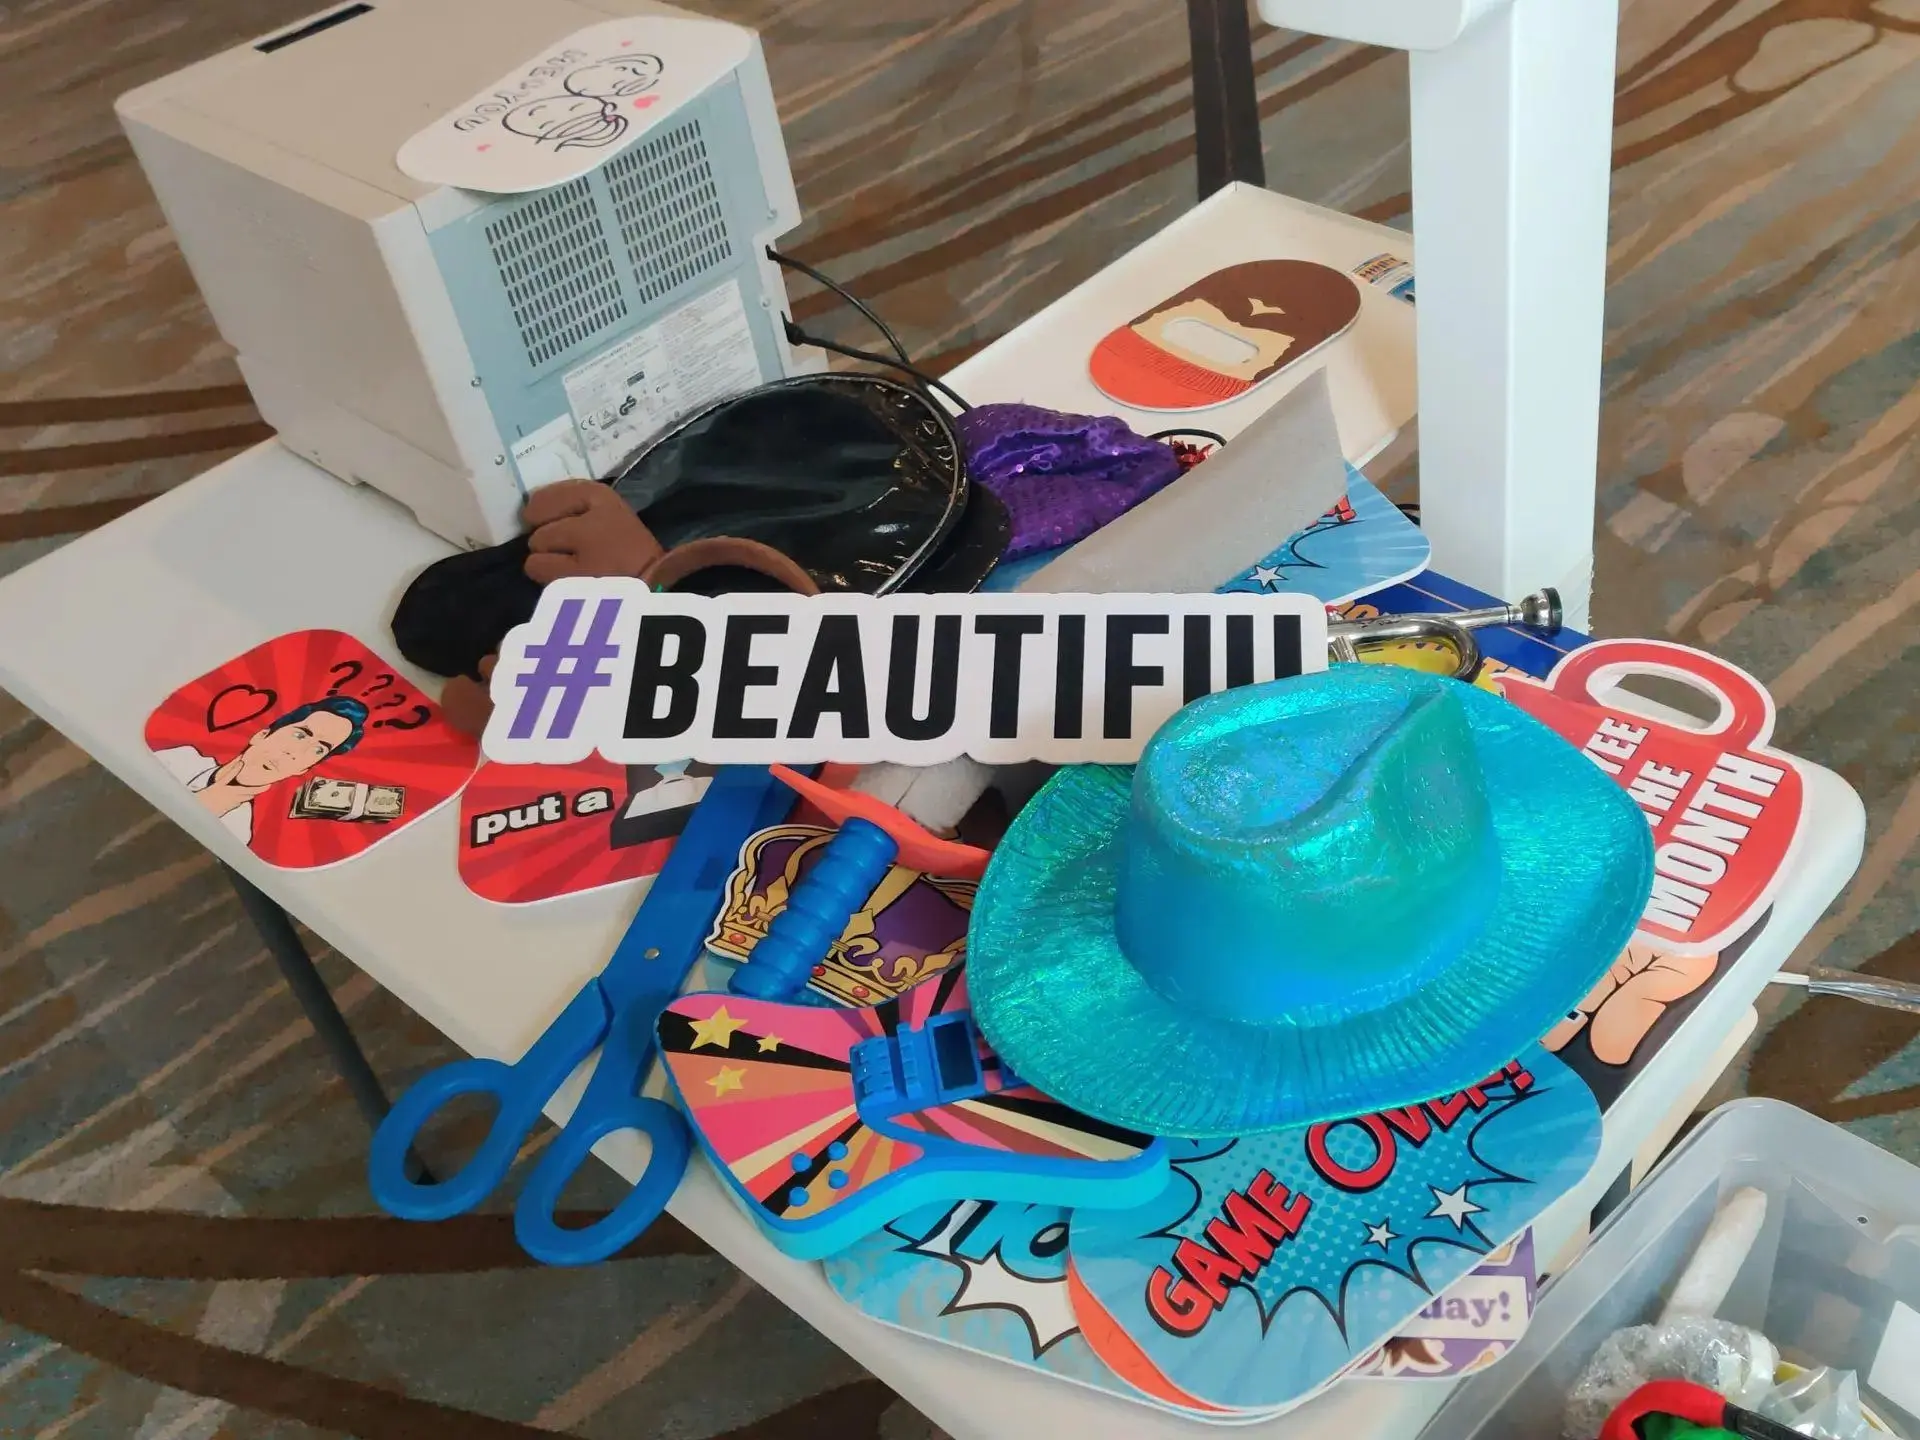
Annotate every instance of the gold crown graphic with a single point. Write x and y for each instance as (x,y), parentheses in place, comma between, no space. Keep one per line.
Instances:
(851,973)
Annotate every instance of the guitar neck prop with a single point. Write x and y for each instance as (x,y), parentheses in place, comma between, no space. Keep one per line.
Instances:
(829,1124)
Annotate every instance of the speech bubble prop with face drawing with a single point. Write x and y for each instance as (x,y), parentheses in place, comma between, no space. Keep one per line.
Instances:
(566,121)
(310,749)
(1224,334)
(576,104)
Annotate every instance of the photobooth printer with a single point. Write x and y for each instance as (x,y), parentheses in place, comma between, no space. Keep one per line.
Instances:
(428,340)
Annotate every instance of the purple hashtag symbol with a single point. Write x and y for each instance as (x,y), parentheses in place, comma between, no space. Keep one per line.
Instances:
(570,665)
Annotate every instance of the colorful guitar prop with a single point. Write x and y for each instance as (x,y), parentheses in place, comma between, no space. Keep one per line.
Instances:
(1272,1264)
(828,1124)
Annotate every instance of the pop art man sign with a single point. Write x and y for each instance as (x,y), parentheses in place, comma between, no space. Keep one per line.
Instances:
(310,749)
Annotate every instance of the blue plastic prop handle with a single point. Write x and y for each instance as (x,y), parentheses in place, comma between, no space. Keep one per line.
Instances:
(856,861)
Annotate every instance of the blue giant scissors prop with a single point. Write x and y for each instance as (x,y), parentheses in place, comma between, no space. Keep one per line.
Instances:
(615,1012)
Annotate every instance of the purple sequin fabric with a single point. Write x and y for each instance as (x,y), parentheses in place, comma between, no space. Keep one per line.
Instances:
(1061,477)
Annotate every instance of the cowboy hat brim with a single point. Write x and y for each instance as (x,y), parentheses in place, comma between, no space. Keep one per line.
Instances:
(1056,997)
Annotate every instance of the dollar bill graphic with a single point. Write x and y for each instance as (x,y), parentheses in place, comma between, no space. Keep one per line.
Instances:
(320,798)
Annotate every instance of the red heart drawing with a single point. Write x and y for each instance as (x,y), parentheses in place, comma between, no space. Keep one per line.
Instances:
(237,704)
(645,102)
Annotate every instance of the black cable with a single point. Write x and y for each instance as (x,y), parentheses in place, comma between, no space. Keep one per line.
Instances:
(1410,510)
(1179,431)
(846,295)
(797,336)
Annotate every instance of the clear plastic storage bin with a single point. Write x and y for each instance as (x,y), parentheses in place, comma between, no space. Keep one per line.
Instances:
(1833,1279)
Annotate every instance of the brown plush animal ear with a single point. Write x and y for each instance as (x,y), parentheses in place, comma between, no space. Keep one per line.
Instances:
(466,702)
(581,528)
(728,550)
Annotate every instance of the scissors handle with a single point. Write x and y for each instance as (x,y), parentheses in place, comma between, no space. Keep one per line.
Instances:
(610,1105)
(546,1240)
(522,1090)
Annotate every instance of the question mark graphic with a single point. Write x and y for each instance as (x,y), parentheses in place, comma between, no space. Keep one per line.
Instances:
(421,715)
(353,669)
(382,683)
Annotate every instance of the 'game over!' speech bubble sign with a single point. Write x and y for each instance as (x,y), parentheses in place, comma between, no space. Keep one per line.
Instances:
(644,677)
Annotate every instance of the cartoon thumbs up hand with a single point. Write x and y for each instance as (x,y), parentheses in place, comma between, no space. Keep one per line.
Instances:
(1621,1011)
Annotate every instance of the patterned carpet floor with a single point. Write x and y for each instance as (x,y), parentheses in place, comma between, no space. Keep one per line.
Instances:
(187,1250)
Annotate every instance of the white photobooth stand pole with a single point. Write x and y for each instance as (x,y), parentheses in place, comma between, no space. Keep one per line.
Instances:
(1512,109)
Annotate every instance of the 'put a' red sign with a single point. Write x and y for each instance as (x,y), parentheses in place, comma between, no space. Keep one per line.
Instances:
(1725,809)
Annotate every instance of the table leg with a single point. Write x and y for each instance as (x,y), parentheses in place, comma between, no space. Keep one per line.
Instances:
(283,942)
(1226,106)
(1512,164)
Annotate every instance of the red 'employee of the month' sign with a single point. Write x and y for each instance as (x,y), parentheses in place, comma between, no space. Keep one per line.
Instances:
(1725,809)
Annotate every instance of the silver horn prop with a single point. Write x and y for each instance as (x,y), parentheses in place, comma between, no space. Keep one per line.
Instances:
(1539,613)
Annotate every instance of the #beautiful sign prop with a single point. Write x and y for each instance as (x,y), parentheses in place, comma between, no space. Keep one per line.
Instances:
(643,677)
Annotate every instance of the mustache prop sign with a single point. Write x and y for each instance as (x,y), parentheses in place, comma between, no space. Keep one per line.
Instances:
(644,677)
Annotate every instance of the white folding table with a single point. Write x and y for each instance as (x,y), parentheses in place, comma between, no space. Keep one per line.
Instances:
(94,635)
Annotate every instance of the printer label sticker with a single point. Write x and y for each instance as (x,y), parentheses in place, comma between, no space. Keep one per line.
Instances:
(1389,273)
(549,454)
(634,389)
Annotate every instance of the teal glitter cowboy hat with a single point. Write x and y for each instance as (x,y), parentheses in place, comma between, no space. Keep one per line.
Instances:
(1310,900)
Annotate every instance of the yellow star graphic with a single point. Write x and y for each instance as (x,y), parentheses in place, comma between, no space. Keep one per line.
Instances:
(716,1029)
(731,1077)
(769,1042)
